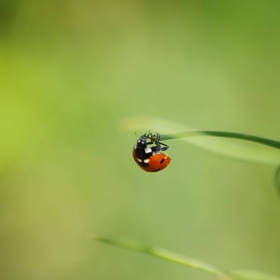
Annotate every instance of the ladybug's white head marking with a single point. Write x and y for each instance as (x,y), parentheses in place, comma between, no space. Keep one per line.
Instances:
(148,150)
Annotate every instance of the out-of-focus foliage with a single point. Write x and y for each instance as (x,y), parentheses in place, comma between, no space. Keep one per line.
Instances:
(70,71)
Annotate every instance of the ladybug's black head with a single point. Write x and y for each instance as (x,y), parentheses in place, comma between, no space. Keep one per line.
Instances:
(142,142)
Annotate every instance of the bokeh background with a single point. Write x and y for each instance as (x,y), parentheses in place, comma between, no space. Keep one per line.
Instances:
(70,72)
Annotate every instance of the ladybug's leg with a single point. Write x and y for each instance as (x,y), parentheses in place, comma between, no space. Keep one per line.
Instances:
(166,147)
(160,144)
(155,140)
(159,147)
(155,148)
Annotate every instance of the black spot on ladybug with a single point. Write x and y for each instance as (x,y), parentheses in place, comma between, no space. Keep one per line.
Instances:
(162,161)
(144,164)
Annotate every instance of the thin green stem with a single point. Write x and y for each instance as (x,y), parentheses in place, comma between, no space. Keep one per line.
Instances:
(240,136)
(166,255)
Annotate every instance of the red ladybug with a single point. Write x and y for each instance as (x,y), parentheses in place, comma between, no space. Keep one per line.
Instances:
(147,153)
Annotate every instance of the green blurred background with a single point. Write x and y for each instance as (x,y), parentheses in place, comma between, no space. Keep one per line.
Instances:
(70,71)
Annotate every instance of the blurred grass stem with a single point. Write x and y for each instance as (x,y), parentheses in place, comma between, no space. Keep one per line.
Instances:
(164,254)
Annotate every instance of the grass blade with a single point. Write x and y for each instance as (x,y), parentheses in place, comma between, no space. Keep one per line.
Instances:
(186,261)
(166,255)
(223,134)
(234,145)
(250,275)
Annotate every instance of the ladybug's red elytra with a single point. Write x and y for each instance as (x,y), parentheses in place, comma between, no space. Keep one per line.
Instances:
(147,153)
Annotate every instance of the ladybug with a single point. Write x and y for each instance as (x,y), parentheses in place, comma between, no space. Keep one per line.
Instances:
(147,153)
